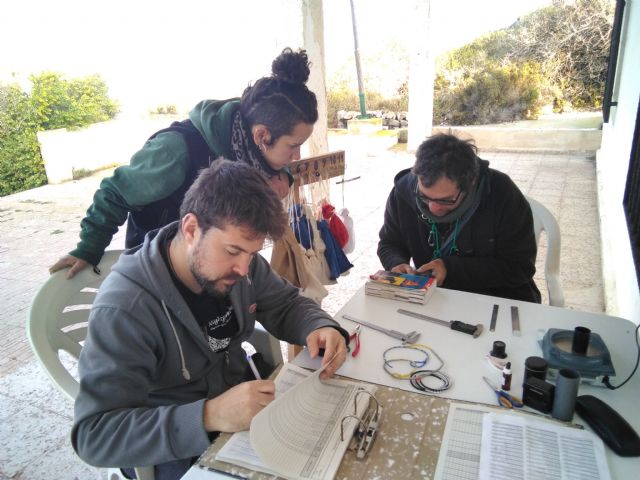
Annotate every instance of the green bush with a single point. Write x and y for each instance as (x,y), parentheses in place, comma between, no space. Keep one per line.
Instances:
(571,41)
(343,98)
(166,110)
(493,94)
(54,103)
(21,165)
(340,98)
(555,56)
(61,103)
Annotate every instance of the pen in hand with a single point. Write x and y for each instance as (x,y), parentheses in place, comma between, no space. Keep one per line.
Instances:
(254,369)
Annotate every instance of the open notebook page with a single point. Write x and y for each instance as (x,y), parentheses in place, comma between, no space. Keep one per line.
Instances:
(298,435)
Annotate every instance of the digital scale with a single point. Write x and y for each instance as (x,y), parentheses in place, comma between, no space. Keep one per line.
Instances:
(592,365)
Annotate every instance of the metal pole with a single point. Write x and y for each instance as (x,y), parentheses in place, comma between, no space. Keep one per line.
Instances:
(363,106)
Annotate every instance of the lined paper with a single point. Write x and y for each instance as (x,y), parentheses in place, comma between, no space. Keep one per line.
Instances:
(297,436)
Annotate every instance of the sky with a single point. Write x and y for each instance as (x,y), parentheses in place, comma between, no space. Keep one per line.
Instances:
(156,52)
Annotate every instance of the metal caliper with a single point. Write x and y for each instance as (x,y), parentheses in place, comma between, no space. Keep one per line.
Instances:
(411,337)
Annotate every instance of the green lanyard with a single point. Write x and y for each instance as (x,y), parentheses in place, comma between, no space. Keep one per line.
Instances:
(434,241)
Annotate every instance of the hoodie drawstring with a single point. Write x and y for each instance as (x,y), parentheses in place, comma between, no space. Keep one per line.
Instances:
(185,372)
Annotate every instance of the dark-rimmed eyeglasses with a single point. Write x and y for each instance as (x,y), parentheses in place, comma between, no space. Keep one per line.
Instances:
(439,201)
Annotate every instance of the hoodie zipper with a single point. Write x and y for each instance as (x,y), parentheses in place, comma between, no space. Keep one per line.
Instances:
(225,366)
(185,373)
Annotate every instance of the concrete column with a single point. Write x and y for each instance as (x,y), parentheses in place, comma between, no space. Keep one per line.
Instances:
(421,75)
(313,39)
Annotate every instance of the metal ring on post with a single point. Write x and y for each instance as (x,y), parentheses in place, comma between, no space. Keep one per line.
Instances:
(355,400)
(342,425)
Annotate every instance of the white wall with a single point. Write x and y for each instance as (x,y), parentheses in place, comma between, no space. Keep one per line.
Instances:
(622,297)
(95,147)
(548,139)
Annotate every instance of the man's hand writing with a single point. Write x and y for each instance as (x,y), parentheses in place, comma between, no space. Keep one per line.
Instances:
(334,346)
(233,410)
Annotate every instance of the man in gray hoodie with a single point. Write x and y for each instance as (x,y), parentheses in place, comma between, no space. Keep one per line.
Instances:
(162,369)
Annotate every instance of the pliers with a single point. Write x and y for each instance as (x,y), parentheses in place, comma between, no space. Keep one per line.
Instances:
(354,336)
(504,399)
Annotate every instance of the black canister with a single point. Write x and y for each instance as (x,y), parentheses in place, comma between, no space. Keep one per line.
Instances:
(499,350)
(580,342)
(535,367)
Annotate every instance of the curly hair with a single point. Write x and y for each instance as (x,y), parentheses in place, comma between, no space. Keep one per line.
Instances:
(281,101)
(235,193)
(446,155)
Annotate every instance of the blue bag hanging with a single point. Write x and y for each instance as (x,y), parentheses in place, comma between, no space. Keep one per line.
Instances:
(301,228)
(337,260)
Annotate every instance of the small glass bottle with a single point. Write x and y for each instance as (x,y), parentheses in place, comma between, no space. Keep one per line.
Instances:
(506,377)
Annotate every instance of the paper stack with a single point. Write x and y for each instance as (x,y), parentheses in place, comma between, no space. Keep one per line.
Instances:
(400,286)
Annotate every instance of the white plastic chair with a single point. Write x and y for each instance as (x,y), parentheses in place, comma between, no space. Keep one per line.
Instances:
(543,219)
(57,321)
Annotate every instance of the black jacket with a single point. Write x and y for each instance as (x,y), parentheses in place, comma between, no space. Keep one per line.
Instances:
(166,210)
(497,246)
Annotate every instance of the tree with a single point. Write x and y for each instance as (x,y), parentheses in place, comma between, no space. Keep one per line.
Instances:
(21,165)
(571,42)
(61,103)
(54,103)
(554,56)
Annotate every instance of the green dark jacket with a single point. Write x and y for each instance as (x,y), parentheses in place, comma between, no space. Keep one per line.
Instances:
(156,171)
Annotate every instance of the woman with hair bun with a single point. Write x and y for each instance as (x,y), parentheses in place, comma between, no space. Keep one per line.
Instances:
(264,128)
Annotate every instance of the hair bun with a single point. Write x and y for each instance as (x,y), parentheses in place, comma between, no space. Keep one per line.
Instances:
(292,67)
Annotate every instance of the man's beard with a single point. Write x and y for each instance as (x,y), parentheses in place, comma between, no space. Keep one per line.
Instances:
(213,287)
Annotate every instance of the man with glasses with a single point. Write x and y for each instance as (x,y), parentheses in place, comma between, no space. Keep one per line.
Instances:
(465,223)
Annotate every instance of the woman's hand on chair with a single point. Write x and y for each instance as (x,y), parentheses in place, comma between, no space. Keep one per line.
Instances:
(69,261)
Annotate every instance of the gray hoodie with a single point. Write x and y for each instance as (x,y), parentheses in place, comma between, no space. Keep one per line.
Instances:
(146,368)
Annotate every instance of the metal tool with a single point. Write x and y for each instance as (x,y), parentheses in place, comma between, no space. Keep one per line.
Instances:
(411,337)
(474,330)
(515,321)
(504,399)
(494,318)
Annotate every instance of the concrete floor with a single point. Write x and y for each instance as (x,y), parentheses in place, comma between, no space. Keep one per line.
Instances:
(38,226)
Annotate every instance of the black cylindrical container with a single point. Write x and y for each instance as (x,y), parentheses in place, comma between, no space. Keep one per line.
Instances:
(535,367)
(499,350)
(580,342)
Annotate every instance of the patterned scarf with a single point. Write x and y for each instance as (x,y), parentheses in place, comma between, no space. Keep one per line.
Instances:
(245,150)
